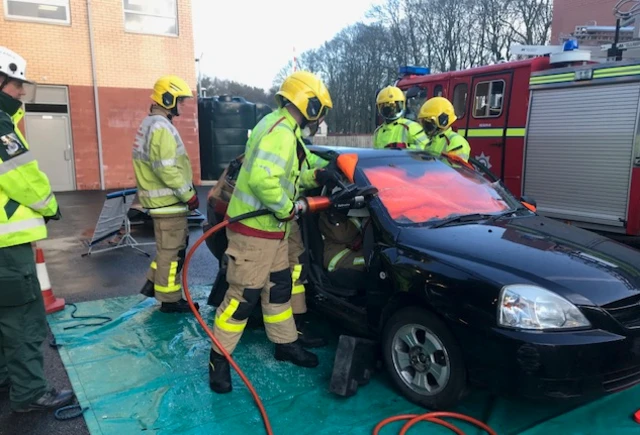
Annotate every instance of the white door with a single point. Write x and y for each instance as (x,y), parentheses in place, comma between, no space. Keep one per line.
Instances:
(49,138)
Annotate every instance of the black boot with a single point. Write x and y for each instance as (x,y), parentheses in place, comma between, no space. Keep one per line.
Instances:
(50,401)
(181,306)
(305,336)
(295,353)
(219,373)
(147,289)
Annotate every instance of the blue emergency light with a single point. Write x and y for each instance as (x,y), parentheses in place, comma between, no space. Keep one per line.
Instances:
(570,45)
(414,70)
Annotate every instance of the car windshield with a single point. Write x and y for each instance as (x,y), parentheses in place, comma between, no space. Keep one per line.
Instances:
(422,188)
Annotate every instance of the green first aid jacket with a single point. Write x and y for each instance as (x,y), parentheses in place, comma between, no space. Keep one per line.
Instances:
(403,133)
(276,164)
(162,167)
(25,192)
(449,142)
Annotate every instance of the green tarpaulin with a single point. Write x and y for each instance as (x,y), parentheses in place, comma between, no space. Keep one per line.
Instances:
(146,372)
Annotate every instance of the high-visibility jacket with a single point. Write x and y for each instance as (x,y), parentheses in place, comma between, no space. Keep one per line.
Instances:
(25,192)
(403,133)
(162,167)
(274,168)
(339,239)
(451,142)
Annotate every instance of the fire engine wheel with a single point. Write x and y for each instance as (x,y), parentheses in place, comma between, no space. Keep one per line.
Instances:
(423,359)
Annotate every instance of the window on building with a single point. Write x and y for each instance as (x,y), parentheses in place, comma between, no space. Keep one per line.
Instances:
(460,99)
(489,99)
(158,17)
(48,11)
(438,91)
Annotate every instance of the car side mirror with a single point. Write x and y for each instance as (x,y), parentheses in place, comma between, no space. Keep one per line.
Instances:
(413,92)
(529,202)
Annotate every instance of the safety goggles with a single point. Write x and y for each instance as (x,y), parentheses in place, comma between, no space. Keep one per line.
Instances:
(315,109)
(429,126)
(390,110)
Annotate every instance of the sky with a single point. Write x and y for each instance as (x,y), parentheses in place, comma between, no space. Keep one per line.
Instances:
(250,41)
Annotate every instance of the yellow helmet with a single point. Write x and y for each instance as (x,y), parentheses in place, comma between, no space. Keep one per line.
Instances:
(307,92)
(168,89)
(391,103)
(436,114)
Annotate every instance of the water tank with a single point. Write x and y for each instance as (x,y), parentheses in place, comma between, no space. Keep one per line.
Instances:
(224,124)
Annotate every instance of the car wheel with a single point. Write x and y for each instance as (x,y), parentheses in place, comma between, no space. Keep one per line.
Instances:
(423,359)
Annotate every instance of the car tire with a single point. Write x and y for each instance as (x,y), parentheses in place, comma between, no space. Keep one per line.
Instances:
(434,356)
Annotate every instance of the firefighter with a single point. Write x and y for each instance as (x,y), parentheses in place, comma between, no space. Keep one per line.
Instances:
(342,241)
(396,131)
(165,187)
(26,205)
(437,116)
(272,172)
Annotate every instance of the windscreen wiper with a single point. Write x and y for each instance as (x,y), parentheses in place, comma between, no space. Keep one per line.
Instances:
(472,217)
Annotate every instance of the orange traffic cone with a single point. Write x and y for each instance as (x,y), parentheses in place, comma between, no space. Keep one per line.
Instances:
(51,303)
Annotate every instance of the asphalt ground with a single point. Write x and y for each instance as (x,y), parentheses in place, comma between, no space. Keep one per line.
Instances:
(120,272)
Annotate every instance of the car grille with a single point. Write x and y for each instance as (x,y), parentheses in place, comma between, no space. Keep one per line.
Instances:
(626,311)
(621,380)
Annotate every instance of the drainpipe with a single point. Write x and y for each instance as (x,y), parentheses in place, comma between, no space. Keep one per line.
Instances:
(95,95)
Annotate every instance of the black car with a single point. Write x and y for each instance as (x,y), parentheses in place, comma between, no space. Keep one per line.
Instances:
(466,284)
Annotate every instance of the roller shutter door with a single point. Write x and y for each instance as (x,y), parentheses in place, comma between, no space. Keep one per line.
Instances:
(579,151)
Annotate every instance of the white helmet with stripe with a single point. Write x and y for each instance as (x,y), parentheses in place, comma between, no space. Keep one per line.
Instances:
(13,65)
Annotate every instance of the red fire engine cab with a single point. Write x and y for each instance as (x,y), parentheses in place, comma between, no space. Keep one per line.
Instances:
(557,127)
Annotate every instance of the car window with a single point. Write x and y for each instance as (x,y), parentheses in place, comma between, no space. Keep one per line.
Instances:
(423,188)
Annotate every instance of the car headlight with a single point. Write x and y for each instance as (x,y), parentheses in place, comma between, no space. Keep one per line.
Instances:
(531,307)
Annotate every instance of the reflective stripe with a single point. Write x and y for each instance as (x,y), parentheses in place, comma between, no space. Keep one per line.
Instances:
(140,155)
(154,265)
(334,261)
(270,157)
(183,189)
(358,261)
(163,163)
(288,186)
(42,204)
(16,162)
(221,322)
(167,289)
(298,289)
(171,285)
(155,193)
(356,222)
(14,227)
(277,206)
(296,272)
(164,192)
(278,318)
(168,210)
(250,200)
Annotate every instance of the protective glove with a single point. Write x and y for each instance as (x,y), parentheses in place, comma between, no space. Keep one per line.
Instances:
(194,202)
(327,177)
(55,217)
(299,207)
(400,145)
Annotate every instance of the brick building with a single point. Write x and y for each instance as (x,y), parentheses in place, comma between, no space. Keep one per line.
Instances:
(116,49)
(567,14)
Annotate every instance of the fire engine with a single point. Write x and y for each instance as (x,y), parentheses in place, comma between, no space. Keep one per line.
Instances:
(557,127)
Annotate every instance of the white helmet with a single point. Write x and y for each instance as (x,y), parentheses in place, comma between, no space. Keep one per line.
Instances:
(13,65)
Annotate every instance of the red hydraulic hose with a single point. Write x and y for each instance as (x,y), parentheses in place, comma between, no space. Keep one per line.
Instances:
(431,417)
(185,270)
